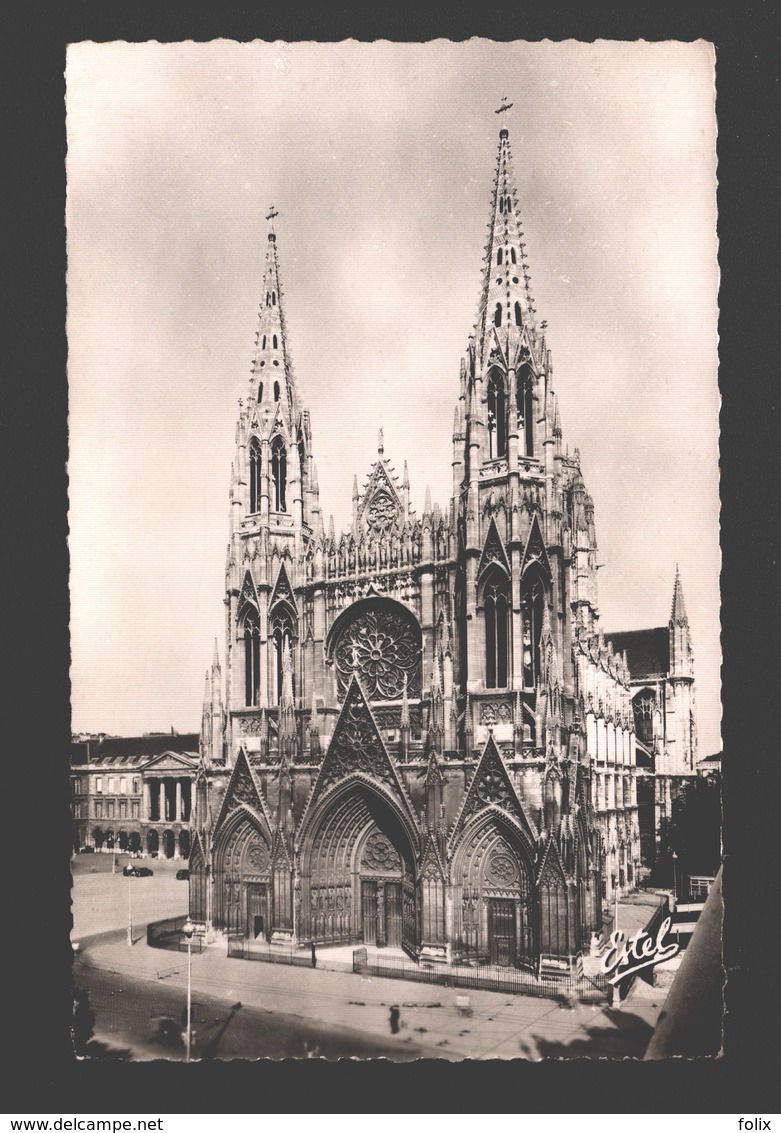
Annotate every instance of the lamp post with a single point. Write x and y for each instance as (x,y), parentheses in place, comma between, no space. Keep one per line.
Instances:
(188,930)
(675,876)
(130,910)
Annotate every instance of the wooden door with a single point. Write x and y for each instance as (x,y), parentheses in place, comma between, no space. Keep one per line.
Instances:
(501,931)
(393,911)
(369,911)
(257,911)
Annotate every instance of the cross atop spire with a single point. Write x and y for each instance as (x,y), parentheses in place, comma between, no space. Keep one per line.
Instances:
(270,217)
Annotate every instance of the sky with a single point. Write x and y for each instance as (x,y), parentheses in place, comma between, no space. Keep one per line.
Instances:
(379,159)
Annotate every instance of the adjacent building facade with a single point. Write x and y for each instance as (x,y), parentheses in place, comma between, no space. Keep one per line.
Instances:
(134,794)
(421,738)
(661,668)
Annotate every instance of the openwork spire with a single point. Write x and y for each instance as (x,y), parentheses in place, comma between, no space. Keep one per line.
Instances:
(506,300)
(272,374)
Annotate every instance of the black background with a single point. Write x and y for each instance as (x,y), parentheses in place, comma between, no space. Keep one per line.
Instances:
(39,1071)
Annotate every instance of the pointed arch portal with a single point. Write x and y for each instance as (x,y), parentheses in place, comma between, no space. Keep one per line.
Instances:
(358,875)
(243,897)
(493,895)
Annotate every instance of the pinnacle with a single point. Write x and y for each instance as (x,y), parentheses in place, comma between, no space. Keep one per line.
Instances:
(678,612)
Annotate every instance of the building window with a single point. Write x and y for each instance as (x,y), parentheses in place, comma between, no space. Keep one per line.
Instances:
(123,786)
(251,658)
(498,315)
(123,808)
(274,341)
(276,391)
(512,256)
(98,808)
(499,256)
(136,786)
(532,605)
(496,603)
(518,321)
(110,808)
(260,391)
(525,402)
(254,476)
(111,788)
(497,415)
(282,638)
(99,786)
(279,473)
(135,810)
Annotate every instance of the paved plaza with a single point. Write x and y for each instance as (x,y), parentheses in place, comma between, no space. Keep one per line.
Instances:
(287,1011)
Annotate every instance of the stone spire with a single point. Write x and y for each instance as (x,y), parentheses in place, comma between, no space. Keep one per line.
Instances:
(678,612)
(272,373)
(506,299)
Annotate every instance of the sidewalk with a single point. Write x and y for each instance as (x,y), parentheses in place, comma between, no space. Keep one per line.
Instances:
(501,1025)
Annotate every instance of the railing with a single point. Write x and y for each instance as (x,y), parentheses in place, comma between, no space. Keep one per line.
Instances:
(549,985)
(170,934)
(240,948)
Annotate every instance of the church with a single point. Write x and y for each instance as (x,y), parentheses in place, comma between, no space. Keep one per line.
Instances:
(421,738)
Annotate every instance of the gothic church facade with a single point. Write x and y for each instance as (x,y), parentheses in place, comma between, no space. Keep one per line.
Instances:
(403,746)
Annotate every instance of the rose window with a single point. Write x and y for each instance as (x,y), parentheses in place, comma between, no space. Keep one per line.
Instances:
(380,854)
(381,646)
(502,870)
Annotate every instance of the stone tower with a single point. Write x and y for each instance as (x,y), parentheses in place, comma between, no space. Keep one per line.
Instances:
(424,740)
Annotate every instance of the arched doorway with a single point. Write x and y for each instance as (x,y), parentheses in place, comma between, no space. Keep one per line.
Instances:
(358,880)
(134,842)
(184,844)
(97,838)
(243,889)
(169,843)
(122,840)
(493,895)
(153,843)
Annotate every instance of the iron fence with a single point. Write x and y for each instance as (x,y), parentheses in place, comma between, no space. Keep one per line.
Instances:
(169,934)
(563,986)
(240,948)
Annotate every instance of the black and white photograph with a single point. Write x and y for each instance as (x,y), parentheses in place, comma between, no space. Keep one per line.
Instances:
(394,541)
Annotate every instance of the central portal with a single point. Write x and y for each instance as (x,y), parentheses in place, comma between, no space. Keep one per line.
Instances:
(361,886)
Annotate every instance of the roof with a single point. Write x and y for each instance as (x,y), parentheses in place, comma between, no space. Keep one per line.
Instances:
(133,749)
(647,651)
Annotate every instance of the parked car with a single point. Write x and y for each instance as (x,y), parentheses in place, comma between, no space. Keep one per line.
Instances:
(137,871)
(183,875)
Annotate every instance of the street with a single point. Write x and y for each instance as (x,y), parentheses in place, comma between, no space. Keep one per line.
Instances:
(137,995)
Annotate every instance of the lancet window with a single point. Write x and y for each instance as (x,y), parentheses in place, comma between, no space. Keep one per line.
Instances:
(254,470)
(496,604)
(251,634)
(279,473)
(498,315)
(525,402)
(497,415)
(532,605)
(281,639)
